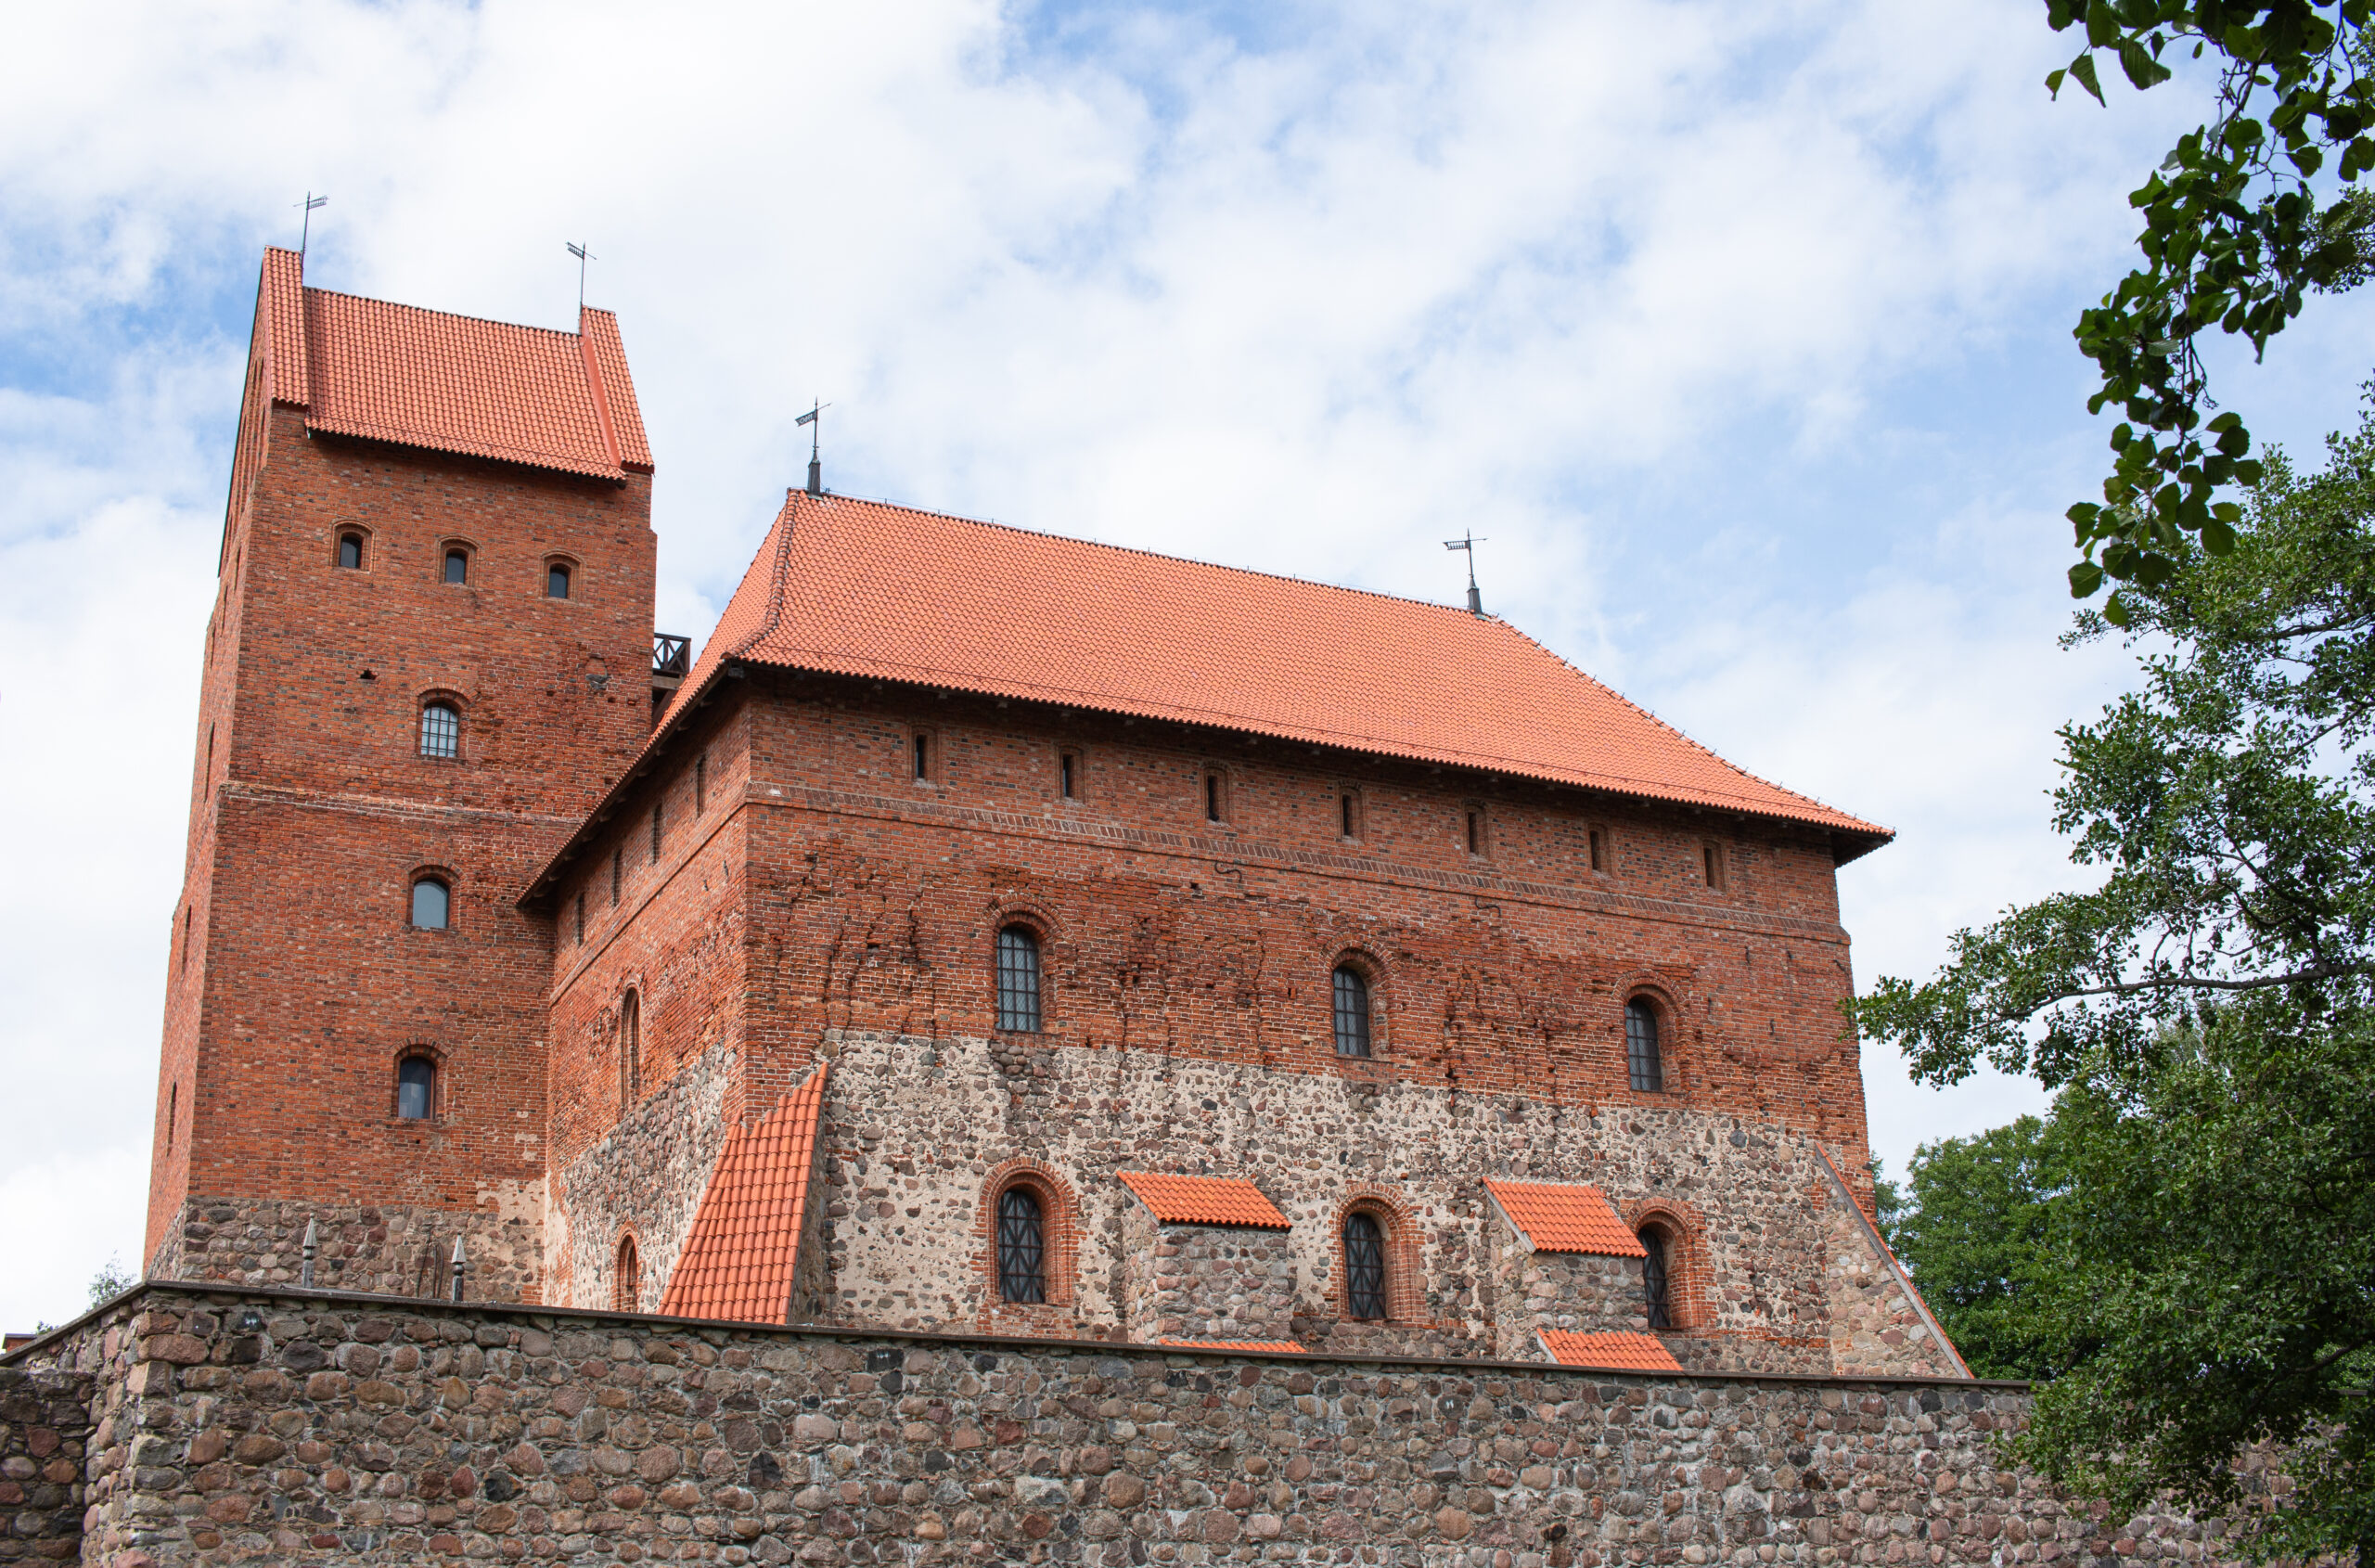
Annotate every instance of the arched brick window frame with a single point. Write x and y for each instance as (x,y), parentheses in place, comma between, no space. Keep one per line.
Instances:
(1687,1275)
(1405,1287)
(627,1272)
(573,586)
(1668,1005)
(1060,1236)
(441,1083)
(1379,981)
(630,1047)
(339,536)
(1027,914)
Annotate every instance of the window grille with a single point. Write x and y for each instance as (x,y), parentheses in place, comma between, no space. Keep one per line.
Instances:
(350,551)
(1018,980)
(1641,1047)
(1352,1012)
(1653,1281)
(556,581)
(1364,1265)
(1023,1249)
(441,730)
(457,566)
(432,904)
(415,1084)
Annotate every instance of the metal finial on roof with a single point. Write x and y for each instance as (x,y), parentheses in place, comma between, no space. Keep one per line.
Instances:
(816,463)
(305,234)
(583,256)
(1469,542)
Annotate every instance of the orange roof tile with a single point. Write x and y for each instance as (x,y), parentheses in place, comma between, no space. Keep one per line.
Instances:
(1565,1219)
(1182,1200)
(1629,1353)
(452,384)
(865,589)
(738,1261)
(1256,1347)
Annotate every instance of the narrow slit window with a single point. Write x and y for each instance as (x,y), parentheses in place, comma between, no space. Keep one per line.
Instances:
(1599,851)
(349,553)
(1348,814)
(415,1087)
(700,784)
(1018,977)
(1364,1265)
(580,918)
(432,905)
(188,916)
(1642,1057)
(1711,860)
(457,566)
(923,757)
(1475,831)
(441,730)
(659,827)
(1352,1011)
(626,1284)
(1654,1287)
(618,872)
(173,1112)
(1067,775)
(1214,801)
(557,580)
(1022,1246)
(630,1052)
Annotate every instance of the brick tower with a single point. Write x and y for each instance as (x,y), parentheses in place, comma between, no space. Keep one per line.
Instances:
(428,660)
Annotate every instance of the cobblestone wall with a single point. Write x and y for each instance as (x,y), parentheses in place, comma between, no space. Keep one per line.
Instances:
(243,1428)
(647,1176)
(44,1423)
(1206,1281)
(1581,1292)
(390,1249)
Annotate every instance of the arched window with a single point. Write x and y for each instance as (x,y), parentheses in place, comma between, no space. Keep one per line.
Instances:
(1641,1054)
(630,1052)
(1022,1246)
(1654,1279)
(415,1087)
(432,905)
(626,1282)
(1018,980)
(350,551)
(457,565)
(557,578)
(1364,1264)
(1352,1011)
(441,730)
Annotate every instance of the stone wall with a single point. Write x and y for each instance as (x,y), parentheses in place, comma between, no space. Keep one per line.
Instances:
(45,1429)
(1206,1281)
(246,1426)
(389,1249)
(646,1177)
(1583,1292)
(1876,1318)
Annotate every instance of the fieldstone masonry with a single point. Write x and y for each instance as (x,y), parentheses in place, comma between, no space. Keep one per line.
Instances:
(1206,1281)
(1584,1293)
(646,1177)
(391,1249)
(45,1428)
(249,1426)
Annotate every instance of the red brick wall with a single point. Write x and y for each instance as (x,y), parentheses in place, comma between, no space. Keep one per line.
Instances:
(306,980)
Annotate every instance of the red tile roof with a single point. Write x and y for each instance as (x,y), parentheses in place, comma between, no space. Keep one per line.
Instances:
(1256,1347)
(1565,1219)
(738,1261)
(865,589)
(452,384)
(1629,1353)
(1182,1200)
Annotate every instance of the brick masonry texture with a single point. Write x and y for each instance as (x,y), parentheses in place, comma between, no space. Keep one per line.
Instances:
(44,1433)
(244,1427)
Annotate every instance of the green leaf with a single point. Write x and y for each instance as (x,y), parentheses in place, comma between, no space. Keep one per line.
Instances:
(2115,610)
(2217,538)
(2086,579)
(2053,84)
(2082,68)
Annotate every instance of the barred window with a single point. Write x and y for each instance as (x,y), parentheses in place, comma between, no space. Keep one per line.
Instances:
(1641,1047)
(1018,965)
(432,903)
(1352,1011)
(441,730)
(1653,1279)
(1364,1265)
(1022,1246)
(415,1087)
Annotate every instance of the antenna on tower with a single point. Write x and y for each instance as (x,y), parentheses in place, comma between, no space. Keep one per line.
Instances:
(1469,542)
(583,256)
(816,443)
(305,234)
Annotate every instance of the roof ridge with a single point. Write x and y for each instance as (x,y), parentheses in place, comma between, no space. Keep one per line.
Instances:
(448,314)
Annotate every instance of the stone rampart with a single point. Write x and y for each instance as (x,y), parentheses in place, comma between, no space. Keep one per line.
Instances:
(45,1429)
(248,1426)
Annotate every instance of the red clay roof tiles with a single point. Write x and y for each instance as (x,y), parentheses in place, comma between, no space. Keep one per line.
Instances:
(1257,1347)
(1565,1219)
(865,589)
(1627,1353)
(1185,1200)
(738,1263)
(452,384)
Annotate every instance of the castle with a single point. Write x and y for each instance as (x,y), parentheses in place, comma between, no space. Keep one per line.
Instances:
(988,932)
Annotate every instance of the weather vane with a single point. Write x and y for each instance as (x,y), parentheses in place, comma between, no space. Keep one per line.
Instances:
(583,256)
(815,459)
(1469,542)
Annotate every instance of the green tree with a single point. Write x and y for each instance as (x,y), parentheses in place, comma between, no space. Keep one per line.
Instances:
(2207,1013)
(1973,1232)
(112,1280)
(2237,233)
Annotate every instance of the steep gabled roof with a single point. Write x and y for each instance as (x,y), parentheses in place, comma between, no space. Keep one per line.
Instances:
(738,1263)
(1557,1218)
(1619,1352)
(1185,1200)
(452,383)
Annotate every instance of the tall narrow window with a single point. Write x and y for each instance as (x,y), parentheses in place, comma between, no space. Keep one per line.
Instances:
(1653,1279)
(630,1053)
(1364,1265)
(188,915)
(441,730)
(457,566)
(1018,980)
(700,784)
(431,905)
(415,1087)
(618,866)
(1348,814)
(659,818)
(350,552)
(1067,775)
(557,580)
(1641,1054)
(1475,831)
(1215,799)
(581,916)
(1599,851)
(1712,858)
(1022,1246)
(923,756)
(626,1282)
(173,1112)
(1352,1011)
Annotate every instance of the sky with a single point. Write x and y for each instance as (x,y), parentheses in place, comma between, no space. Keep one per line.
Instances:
(1738,332)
